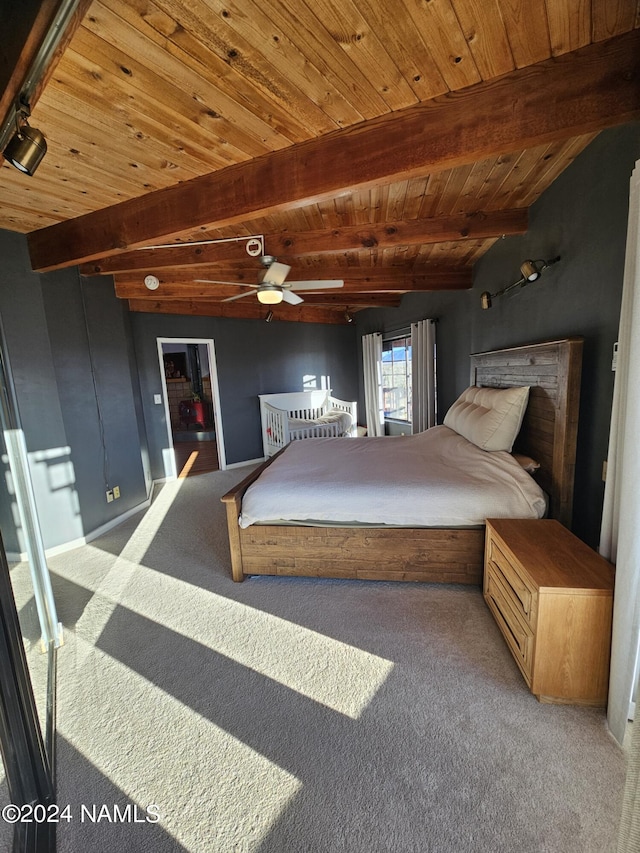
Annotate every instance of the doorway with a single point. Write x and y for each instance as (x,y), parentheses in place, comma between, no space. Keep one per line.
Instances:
(192,405)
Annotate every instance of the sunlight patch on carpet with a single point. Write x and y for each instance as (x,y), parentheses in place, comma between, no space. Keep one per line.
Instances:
(205,782)
(114,586)
(335,674)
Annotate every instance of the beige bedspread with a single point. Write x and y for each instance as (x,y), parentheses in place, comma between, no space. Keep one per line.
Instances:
(434,479)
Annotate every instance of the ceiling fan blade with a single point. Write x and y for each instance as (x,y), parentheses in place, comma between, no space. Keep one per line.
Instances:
(275,273)
(218,281)
(239,296)
(316,285)
(291,298)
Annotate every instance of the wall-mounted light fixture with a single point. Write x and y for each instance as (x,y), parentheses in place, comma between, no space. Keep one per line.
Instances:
(269,317)
(27,146)
(530,270)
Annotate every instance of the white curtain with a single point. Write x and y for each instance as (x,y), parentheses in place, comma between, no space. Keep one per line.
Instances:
(372,367)
(620,533)
(423,376)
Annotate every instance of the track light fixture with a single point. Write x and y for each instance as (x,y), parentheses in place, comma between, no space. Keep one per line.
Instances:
(485,299)
(269,317)
(530,270)
(348,317)
(27,146)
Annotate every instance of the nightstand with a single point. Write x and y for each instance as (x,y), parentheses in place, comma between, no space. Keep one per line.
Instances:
(552,598)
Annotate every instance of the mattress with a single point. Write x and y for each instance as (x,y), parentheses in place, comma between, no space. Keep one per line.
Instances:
(433,479)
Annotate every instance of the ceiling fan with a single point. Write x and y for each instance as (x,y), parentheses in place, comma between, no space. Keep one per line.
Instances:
(272,286)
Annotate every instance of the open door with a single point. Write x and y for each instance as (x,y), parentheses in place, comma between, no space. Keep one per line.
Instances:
(192,405)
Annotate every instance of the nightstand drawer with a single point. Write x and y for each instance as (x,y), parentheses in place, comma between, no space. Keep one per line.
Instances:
(551,596)
(522,597)
(518,635)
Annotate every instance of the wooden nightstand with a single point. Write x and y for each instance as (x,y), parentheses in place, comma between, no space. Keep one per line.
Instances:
(552,597)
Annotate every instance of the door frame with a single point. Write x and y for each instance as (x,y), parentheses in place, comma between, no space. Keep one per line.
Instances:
(215,393)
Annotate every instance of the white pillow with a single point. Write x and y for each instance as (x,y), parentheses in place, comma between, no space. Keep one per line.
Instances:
(489,417)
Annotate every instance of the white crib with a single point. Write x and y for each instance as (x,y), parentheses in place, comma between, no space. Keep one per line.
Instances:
(304,414)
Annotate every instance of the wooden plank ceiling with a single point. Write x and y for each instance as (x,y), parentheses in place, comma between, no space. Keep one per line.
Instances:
(387,143)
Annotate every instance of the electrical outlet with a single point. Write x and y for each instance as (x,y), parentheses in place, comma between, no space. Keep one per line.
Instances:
(116,492)
(109,496)
(157,399)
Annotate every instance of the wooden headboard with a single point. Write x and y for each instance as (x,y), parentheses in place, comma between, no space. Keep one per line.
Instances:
(550,426)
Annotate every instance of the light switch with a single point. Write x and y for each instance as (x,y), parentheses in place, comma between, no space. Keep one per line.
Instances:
(157,399)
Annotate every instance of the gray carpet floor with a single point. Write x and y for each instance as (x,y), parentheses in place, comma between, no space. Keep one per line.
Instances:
(284,715)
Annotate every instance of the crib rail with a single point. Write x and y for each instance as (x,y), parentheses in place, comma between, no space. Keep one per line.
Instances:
(275,429)
(307,414)
(278,410)
(315,431)
(344,406)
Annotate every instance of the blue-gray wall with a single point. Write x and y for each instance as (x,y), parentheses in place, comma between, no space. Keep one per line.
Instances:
(252,357)
(86,371)
(583,218)
(69,344)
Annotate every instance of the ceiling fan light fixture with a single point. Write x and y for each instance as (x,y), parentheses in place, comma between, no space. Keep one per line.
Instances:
(269,294)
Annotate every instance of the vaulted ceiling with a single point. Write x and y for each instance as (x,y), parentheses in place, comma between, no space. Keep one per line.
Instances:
(387,143)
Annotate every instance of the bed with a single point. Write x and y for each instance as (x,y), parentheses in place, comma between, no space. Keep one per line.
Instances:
(447,553)
(304,414)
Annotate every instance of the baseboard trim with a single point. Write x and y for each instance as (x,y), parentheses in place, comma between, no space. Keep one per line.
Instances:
(258,461)
(14,557)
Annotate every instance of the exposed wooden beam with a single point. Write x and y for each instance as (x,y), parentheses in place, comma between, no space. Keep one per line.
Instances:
(180,282)
(252,311)
(175,290)
(443,229)
(387,235)
(213,293)
(186,255)
(571,94)
(353,300)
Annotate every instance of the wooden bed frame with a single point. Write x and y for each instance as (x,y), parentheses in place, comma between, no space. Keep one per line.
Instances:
(444,555)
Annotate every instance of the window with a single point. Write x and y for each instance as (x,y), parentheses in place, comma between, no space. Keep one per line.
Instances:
(396,378)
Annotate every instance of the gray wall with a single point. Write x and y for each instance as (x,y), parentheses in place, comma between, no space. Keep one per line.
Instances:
(453,333)
(70,349)
(583,218)
(252,357)
(86,371)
